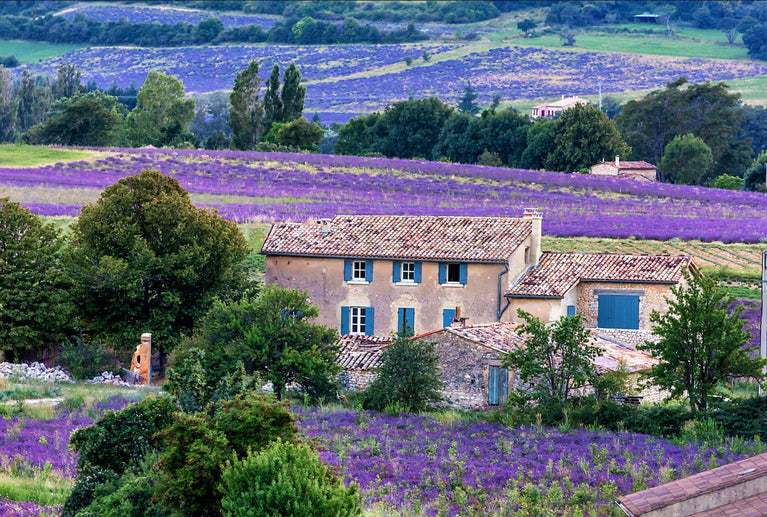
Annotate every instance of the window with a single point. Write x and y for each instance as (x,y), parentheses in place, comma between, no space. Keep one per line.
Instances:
(448,315)
(406,272)
(357,320)
(452,273)
(618,311)
(358,270)
(406,321)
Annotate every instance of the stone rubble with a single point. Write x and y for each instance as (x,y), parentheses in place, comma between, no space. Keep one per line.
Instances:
(109,378)
(34,371)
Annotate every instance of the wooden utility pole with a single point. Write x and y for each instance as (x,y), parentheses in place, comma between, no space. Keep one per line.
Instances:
(763,327)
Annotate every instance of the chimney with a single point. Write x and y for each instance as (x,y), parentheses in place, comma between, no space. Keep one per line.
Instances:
(535,237)
(563,96)
(617,162)
(324,226)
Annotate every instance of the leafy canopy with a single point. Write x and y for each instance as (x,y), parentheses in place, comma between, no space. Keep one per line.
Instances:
(246,108)
(702,343)
(686,160)
(556,359)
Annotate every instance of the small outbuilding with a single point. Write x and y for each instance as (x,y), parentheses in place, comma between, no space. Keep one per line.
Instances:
(637,170)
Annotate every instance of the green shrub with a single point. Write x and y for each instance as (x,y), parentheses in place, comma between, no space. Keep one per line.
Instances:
(605,414)
(287,480)
(664,421)
(85,360)
(745,418)
(89,480)
(73,403)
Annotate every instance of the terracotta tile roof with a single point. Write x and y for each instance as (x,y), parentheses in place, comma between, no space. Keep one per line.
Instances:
(754,506)
(361,352)
(627,165)
(500,337)
(615,354)
(567,102)
(556,273)
(476,239)
(703,483)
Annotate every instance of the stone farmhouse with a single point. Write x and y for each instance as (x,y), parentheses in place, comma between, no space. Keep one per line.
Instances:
(552,109)
(460,281)
(640,171)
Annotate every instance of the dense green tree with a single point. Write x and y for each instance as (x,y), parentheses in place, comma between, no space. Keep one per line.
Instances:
(611,106)
(68,83)
(556,361)
(468,102)
(706,110)
(754,40)
(527,25)
(33,301)
(272,335)
(702,341)
(756,174)
(162,114)
(9,106)
(411,128)
(208,29)
(409,376)
(755,127)
(293,93)
(727,182)
(211,117)
(460,139)
(583,136)
(246,108)
(144,259)
(300,134)
(686,160)
(540,143)
(34,101)
(505,132)
(356,137)
(272,100)
(87,119)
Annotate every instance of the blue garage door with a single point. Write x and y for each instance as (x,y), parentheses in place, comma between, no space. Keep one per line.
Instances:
(618,311)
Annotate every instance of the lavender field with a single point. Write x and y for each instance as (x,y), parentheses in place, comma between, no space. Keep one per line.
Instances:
(415,465)
(266,187)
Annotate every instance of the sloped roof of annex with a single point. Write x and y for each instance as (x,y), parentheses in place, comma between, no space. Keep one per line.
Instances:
(428,238)
(556,272)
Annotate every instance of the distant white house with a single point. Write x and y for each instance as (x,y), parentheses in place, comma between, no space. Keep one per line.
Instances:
(551,109)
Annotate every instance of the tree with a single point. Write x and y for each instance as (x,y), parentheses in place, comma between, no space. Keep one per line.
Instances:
(409,376)
(211,117)
(727,182)
(293,94)
(34,101)
(756,175)
(300,134)
(755,127)
(468,103)
(567,35)
(706,110)
(272,335)
(753,39)
(356,136)
(246,109)
(207,30)
(686,160)
(702,342)
(272,100)
(527,25)
(87,119)
(162,114)
(410,128)
(555,361)
(540,143)
(460,139)
(144,259)
(33,302)
(67,82)
(9,106)
(583,136)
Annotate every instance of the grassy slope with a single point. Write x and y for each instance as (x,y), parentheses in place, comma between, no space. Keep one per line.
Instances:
(31,51)
(28,156)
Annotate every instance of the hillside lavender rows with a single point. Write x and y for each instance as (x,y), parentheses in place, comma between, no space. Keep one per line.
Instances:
(298,187)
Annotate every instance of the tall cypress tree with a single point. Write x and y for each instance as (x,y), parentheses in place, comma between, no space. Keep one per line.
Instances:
(247,109)
(272,100)
(292,94)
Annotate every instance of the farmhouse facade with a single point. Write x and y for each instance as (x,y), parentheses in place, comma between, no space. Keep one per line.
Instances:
(552,109)
(377,275)
(639,170)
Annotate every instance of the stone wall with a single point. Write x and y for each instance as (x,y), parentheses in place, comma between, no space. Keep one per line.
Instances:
(356,380)
(628,337)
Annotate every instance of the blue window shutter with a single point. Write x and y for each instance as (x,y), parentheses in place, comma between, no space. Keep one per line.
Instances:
(503,386)
(417,272)
(463,273)
(629,312)
(395,276)
(492,385)
(447,317)
(344,320)
(369,320)
(347,270)
(571,310)
(606,307)
(442,272)
(618,312)
(368,270)
(406,321)
(400,319)
(410,319)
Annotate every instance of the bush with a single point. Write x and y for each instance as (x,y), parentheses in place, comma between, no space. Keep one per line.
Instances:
(86,360)
(408,377)
(745,418)
(287,480)
(664,421)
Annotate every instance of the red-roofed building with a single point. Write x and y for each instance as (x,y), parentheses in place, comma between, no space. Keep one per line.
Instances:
(552,109)
(640,171)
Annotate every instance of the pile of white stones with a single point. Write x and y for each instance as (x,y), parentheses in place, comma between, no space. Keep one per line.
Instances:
(109,378)
(34,371)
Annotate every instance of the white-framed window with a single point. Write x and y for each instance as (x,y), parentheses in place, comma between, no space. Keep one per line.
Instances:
(358,271)
(407,272)
(357,319)
(453,273)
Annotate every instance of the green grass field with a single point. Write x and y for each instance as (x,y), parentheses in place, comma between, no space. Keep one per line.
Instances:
(28,155)
(31,51)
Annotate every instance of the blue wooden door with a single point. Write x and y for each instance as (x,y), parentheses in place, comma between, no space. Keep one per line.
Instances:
(447,317)
(497,386)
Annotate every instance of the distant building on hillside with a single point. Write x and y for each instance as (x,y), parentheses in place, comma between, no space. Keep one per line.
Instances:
(640,170)
(552,109)
(647,17)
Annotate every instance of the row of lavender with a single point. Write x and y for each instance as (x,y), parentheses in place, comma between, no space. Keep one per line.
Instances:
(296,187)
(512,72)
(415,465)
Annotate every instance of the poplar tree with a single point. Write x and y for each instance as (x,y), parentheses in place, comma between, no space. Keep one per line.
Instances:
(246,108)
(292,94)
(272,100)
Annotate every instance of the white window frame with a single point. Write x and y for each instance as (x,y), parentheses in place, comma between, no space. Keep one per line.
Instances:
(357,321)
(359,270)
(407,272)
(457,267)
